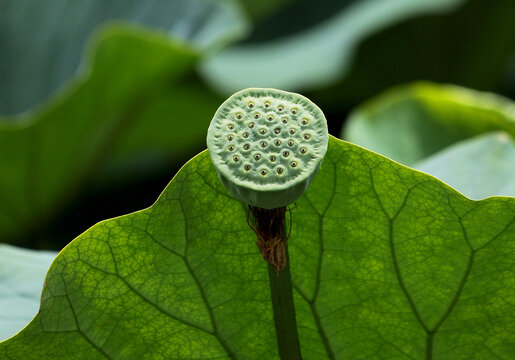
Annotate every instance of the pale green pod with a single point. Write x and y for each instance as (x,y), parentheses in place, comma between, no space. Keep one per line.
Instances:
(267,145)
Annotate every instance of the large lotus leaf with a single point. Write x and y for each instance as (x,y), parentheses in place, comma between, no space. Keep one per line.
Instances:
(314,56)
(387,262)
(41,41)
(413,121)
(130,84)
(478,167)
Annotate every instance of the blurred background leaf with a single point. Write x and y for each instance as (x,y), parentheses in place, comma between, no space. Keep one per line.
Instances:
(429,126)
(22,273)
(129,111)
(472,45)
(411,122)
(42,41)
(308,44)
(478,167)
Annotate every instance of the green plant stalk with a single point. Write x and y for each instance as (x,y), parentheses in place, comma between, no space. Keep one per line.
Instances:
(284,311)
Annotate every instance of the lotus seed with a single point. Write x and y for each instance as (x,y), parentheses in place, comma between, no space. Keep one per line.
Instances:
(238,154)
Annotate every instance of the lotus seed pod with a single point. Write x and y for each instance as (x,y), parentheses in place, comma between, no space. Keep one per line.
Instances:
(267,145)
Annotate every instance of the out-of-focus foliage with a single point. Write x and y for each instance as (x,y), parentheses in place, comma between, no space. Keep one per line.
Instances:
(314,56)
(22,273)
(130,109)
(478,167)
(411,122)
(471,46)
(41,41)
(415,124)
(51,154)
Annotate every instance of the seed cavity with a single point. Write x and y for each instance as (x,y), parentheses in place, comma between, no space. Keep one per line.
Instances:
(231,147)
(303,150)
(285,120)
(293,164)
(251,125)
(292,131)
(246,147)
(251,105)
(267,104)
(270,117)
(256,116)
(294,111)
(239,116)
(230,126)
(262,131)
(272,158)
(304,121)
(257,157)
(245,135)
(263,144)
(290,142)
(247,167)
(236,158)
(280,171)
(230,137)
(263,172)
(307,136)
(280,108)
(277,131)
(286,153)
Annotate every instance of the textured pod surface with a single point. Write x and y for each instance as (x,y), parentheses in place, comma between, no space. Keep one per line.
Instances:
(267,145)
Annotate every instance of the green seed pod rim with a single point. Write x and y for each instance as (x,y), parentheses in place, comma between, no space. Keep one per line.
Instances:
(276,159)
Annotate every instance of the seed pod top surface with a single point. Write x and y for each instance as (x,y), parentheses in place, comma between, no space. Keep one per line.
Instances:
(267,145)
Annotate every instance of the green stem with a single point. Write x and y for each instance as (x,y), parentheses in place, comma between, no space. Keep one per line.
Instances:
(281,290)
